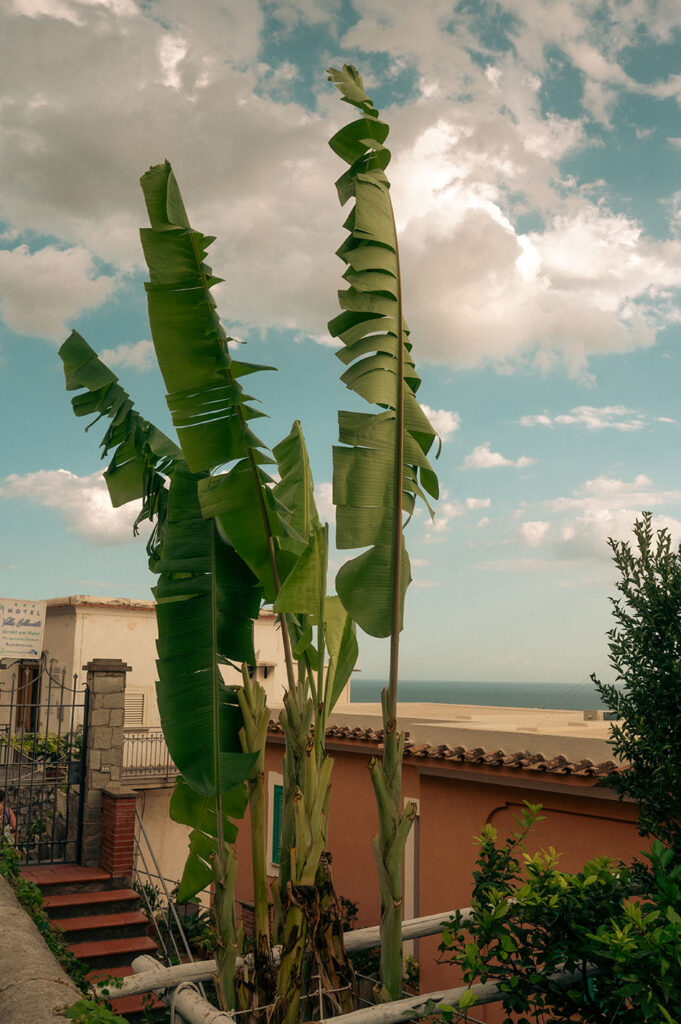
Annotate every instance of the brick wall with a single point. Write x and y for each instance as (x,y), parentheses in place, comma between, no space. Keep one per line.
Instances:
(118,832)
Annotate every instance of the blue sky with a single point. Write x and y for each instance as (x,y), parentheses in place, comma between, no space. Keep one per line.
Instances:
(537,184)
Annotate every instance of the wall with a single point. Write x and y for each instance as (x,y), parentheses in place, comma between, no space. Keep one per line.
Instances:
(169,840)
(582,820)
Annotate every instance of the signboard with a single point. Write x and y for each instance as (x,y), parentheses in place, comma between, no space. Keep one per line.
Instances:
(22,624)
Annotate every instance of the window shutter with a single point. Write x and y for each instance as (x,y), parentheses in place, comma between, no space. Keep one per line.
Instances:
(277,821)
(134,711)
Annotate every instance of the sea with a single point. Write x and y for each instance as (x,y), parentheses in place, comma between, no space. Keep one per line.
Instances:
(564,696)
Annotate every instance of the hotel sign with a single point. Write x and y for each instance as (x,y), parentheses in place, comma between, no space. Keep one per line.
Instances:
(22,624)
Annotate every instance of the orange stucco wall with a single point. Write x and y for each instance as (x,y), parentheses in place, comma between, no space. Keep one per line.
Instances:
(581,820)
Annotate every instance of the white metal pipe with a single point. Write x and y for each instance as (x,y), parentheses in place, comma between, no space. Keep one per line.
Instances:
(189,1004)
(391,1013)
(202,970)
(417,928)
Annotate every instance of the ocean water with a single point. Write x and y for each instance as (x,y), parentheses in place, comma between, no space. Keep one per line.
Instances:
(566,696)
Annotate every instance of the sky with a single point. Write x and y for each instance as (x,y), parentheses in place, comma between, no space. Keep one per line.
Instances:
(536,179)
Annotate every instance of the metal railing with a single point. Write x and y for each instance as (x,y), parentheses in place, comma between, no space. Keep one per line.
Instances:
(157,895)
(145,755)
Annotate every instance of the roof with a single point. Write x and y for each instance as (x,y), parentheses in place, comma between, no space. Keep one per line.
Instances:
(523,761)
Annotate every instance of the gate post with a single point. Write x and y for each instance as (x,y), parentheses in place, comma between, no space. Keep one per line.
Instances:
(104,747)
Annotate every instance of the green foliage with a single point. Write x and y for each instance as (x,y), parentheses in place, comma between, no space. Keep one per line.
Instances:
(31,899)
(645,653)
(51,749)
(376,450)
(532,921)
(92,1011)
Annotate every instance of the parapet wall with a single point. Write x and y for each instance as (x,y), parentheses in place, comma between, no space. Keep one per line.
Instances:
(33,987)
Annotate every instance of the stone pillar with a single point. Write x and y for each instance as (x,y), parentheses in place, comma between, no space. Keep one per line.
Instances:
(118,832)
(104,757)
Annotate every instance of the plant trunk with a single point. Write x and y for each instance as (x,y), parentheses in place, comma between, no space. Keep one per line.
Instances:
(394,824)
(224,874)
(253,736)
(335,968)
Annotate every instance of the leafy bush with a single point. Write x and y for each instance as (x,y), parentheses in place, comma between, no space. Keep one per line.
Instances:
(645,652)
(532,921)
(52,748)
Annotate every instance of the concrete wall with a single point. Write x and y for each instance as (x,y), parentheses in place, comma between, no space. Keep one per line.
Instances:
(169,840)
(80,629)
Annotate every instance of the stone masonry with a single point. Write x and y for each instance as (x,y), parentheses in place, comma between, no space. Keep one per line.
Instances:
(106,683)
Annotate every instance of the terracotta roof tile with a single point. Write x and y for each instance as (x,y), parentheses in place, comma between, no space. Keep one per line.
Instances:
(520,760)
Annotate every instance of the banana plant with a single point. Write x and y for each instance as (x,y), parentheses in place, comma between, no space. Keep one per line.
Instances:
(206,603)
(380,466)
(221,542)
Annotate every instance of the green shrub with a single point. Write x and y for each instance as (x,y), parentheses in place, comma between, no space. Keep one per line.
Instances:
(532,921)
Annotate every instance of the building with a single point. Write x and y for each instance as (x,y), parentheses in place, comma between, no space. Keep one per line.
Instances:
(464,767)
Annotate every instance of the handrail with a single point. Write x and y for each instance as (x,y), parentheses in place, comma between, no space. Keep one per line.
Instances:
(362,938)
(141,832)
(197,1010)
(146,755)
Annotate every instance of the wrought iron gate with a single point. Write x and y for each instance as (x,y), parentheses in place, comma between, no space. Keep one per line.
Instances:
(43,732)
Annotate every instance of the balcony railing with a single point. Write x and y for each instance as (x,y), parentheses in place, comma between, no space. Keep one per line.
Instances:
(145,755)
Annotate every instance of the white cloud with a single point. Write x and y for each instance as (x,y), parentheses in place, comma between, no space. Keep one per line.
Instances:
(482,457)
(601,508)
(323,496)
(43,292)
(614,417)
(478,288)
(533,533)
(138,356)
(443,421)
(446,510)
(83,502)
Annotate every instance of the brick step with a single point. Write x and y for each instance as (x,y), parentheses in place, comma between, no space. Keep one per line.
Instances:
(135,1007)
(111,953)
(56,879)
(111,901)
(98,974)
(103,926)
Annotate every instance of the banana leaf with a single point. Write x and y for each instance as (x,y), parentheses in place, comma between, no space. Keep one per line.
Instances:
(143,457)
(381,464)
(198,811)
(192,560)
(206,401)
(203,583)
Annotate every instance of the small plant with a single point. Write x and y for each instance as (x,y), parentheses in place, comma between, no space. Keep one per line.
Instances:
(532,922)
(92,1011)
(52,748)
(645,653)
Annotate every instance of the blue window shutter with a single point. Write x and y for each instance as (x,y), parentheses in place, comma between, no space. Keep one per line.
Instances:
(277,821)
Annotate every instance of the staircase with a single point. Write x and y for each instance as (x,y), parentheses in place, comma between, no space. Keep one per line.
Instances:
(102,925)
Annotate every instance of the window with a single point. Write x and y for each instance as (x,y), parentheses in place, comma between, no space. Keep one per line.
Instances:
(134,711)
(275,820)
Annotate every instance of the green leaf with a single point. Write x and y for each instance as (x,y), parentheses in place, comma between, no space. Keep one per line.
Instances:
(205,399)
(198,811)
(467,999)
(341,642)
(375,449)
(142,456)
(193,561)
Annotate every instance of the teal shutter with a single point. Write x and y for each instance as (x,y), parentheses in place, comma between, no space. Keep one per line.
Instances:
(277,821)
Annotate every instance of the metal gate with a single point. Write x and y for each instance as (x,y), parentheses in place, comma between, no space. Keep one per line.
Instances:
(43,731)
